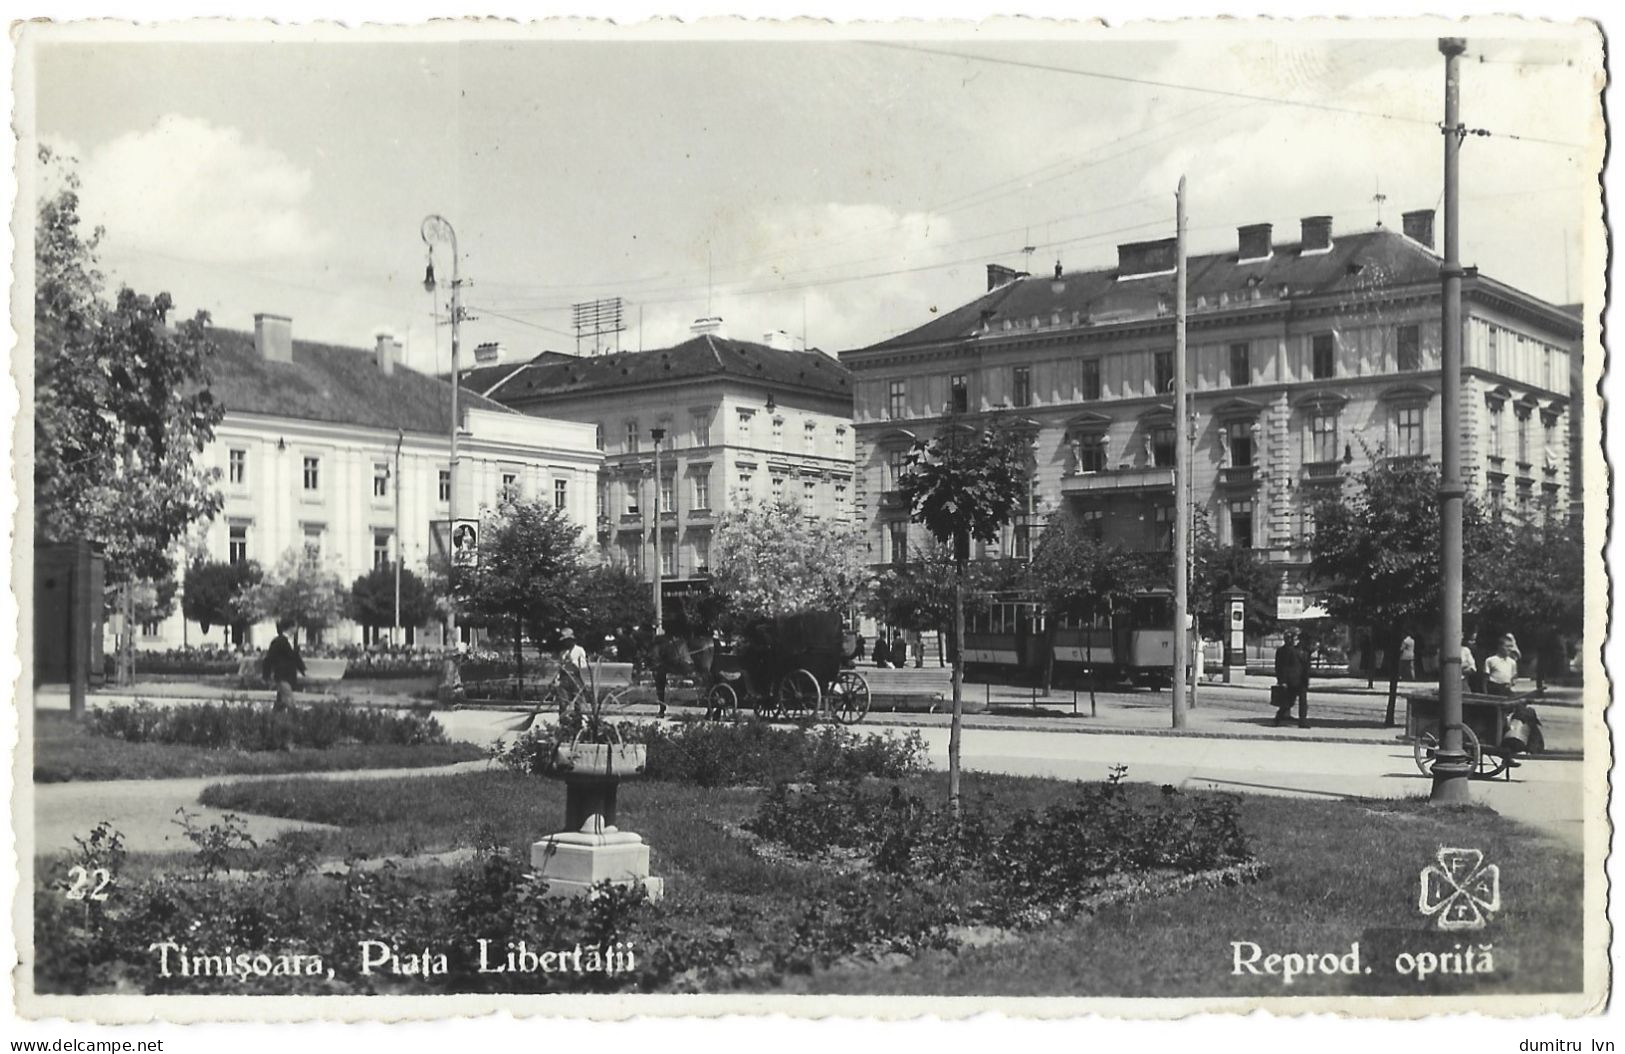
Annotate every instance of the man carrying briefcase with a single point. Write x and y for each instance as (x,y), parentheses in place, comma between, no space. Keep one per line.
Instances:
(1292,681)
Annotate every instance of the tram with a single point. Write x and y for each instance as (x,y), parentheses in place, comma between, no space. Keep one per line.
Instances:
(1007,641)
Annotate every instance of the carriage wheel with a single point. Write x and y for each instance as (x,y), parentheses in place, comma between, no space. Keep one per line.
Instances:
(849,697)
(722,703)
(798,694)
(1427,750)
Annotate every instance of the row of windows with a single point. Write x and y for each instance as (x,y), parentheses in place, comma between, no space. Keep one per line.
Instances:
(311,475)
(700,432)
(313,538)
(700,492)
(1494,411)
(699,553)
(1323,366)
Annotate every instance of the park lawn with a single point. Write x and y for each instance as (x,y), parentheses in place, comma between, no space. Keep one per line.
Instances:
(64,750)
(1339,872)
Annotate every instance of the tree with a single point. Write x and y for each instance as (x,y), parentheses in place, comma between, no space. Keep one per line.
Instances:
(611,597)
(919,595)
(1533,585)
(298,590)
(528,577)
(212,589)
(1075,573)
(1219,569)
(372,598)
(962,487)
(771,559)
(121,409)
(1375,553)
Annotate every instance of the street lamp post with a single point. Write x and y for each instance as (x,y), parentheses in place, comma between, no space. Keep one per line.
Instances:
(659,435)
(395,632)
(436,228)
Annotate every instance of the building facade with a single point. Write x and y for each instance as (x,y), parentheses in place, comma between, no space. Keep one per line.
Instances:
(343,455)
(739,420)
(1304,361)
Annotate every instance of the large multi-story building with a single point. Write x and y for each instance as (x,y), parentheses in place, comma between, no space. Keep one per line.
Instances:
(343,454)
(738,420)
(1304,360)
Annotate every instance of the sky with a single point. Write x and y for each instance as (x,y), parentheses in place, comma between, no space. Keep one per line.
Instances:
(837,188)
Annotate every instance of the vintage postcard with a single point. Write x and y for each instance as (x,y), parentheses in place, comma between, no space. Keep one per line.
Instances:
(868,520)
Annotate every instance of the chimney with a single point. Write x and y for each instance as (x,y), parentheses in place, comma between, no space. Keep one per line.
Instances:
(1253,242)
(1137,258)
(998,274)
(781,340)
(1419,226)
(711,324)
(388,353)
(487,354)
(273,337)
(1317,234)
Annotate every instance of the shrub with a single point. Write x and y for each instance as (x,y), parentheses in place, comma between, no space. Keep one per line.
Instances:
(246,726)
(710,754)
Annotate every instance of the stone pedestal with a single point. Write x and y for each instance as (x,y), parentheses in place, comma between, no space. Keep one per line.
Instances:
(573,862)
(1235,675)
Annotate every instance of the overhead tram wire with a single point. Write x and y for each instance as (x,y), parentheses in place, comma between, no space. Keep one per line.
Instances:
(1224,92)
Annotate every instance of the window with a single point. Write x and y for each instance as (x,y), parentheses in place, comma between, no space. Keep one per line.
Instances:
(896,468)
(1241,524)
(898,533)
(1162,371)
(702,429)
(561,494)
(598,436)
(1408,431)
(1323,437)
(313,545)
(380,479)
(1162,446)
(1497,493)
(745,482)
(668,435)
(840,440)
(702,489)
(380,549)
(809,494)
(1410,348)
(237,467)
(702,554)
(237,544)
(632,553)
(1523,436)
(1021,539)
(1021,386)
(603,501)
(840,494)
(313,473)
(1240,435)
(668,494)
(778,488)
(1552,453)
(744,426)
(1323,356)
(1094,523)
(896,399)
(1162,527)
(668,556)
(149,629)
(1091,378)
(445,485)
(1492,348)
(809,436)
(778,433)
(631,437)
(632,497)
(1493,411)
(1241,365)
(1091,452)
(958,394)
(510,487)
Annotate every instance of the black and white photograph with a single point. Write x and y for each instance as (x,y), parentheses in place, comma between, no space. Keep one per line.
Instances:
(810,518)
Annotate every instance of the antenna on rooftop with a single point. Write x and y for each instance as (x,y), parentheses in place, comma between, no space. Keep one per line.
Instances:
(1027,252)
(1379,197)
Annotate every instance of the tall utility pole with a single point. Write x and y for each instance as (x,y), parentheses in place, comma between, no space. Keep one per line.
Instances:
(395,631)
(437,228)
(1451,767)
(1182,464)
(655,568)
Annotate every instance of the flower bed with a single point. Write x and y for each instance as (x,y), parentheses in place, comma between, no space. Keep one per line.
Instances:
(249,726)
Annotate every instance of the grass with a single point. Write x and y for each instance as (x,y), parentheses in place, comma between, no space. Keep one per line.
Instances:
(64,750)
(1339,872)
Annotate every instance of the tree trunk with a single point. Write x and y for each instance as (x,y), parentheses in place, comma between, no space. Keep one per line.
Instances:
(959,693)
(126,646)
(1393,675)
(1049,650)
(518,660)
(1089,656)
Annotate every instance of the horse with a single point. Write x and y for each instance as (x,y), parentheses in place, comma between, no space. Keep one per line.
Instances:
(687,657)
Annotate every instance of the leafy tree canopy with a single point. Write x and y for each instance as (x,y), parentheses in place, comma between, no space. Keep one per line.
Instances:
(962,486)
(297,590)
(612,597)
(770,559)
(212,589)
(372,598)
(1075,573)
(529,574)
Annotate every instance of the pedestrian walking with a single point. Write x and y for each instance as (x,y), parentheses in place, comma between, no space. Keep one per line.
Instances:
(1501,669)
(1292,677)
(1469,667)
(1407,658)
(572,670)
(882,653)
(282,665)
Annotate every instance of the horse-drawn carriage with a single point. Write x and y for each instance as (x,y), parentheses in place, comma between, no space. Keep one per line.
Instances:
(792,667)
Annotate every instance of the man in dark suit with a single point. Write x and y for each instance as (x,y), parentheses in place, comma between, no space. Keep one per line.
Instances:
(1292,673)
(282,666)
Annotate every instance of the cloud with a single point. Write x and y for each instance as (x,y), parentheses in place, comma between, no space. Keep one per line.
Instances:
(189,189)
